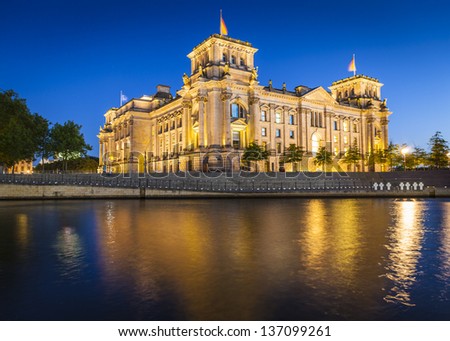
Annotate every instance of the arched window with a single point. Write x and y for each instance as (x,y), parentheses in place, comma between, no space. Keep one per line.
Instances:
(237,111)
(224,58)
(233,60)
(315,143)
(242,63)
(346,93)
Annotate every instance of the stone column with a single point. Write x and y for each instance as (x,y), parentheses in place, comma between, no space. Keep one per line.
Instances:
(307,115)
(202,142)
(214,119)
(187,124)
(370,135)
(299,121)
(384,125)
(255,113)
(287,127)
(272,126)
(226,119)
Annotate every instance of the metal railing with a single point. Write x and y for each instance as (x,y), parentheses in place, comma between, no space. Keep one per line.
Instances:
(221,183)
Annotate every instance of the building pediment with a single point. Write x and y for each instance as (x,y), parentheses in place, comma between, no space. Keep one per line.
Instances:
(239,125)
(319,94)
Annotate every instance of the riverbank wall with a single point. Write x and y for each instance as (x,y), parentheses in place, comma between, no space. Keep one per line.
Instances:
(308,185)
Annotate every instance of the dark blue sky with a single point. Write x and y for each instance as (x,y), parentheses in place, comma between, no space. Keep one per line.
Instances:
(71,59)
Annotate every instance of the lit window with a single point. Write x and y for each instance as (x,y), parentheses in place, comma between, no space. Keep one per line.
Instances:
(291,119)
(277,133)
(264,145)
(315,144)
(336,150)
(278,117)
(279,148)
(335,139)
(345,139)
(263,115)
(345,125)
(237,111)
(236,140)
(263,132)
(291,134)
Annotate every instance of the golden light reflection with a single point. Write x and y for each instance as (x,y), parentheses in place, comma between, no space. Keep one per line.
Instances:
(405,243)
(346,238)
(444,252)
(315,237)
(22,230)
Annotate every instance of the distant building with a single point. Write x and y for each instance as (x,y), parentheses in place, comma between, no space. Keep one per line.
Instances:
(221,108)
(22,167)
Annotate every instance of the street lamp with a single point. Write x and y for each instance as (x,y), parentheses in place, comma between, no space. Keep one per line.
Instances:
(404,151)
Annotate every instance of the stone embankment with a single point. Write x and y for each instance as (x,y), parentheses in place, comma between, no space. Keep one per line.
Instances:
(218,185)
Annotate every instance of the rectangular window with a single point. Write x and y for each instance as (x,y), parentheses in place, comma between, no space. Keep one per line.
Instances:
(335,139)
(263,115)
(277,133)
(279,148)
(291,119)
(181,137)
(236,140)
(345,139)
(335,125)
(278,117)
(264,145)
(355,128)
(263,131)
(291,134)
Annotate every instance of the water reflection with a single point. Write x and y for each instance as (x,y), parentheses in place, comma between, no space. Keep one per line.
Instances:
(444,252)
(405,244)
(70,253)
(226,259)
(22,230)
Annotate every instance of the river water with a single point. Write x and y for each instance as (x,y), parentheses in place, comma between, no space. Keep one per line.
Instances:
(225,259)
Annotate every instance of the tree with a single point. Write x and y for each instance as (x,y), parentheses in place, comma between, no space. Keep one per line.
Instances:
(87,164)
(323,158)
(254,152)
(42,137)
(17,134)
(353,155)
(67,142)
(439,150)
(418,157)
(293,154)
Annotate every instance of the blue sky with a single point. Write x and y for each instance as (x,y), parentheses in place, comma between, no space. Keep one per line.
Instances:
(71,59)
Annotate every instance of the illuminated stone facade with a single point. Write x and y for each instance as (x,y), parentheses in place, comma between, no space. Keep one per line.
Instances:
(21,167)
(221,108)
